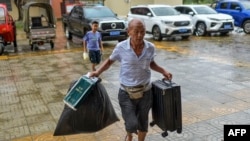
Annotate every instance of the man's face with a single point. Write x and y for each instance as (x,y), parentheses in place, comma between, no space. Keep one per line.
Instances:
(137,32)
(94,27)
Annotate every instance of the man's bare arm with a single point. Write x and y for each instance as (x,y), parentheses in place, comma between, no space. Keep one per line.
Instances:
(104,66)
(161,70)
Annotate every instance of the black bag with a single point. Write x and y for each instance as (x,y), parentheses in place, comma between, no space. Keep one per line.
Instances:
(94,113)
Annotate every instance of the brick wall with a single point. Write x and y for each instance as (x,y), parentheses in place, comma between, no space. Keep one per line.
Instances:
(56,4)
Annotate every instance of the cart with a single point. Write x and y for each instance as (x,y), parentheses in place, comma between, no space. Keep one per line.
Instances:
(7,29)
(39,24)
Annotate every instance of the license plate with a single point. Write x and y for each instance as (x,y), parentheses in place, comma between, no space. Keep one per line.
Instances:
(182,30)
(113,33)
(227,26)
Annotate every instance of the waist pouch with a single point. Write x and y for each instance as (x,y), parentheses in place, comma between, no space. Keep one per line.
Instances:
(135,92)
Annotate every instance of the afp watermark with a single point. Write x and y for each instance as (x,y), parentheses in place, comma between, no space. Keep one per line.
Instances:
(236,132)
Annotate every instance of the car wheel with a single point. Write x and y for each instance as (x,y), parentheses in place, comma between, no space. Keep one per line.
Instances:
(120,40)
(52,44)
(15,43)
(224,33)
(185,37)
(246,27)
(1,48)
(67,33)
(157,33)
(31,47)
(200,29)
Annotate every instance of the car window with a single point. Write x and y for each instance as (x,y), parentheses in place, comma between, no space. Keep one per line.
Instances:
(98,12)
(164,11)
(234,5)
(187,10)
(180,9)
(224,5)
(204,10)
(146,11)
(80,12)
(138,11)
(74,13)
(246,4)
(2,17)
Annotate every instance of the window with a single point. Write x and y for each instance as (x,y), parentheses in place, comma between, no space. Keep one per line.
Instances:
(187,10)
(204,10)
(2,15)
(223,5)
(98,12)
(145,11)
(137,11)
(8,4)
(74,13)
(164,11)
(234,5)
(180,9)
(79,12)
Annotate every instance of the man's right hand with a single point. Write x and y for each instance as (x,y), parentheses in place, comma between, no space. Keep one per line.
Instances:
(93,74)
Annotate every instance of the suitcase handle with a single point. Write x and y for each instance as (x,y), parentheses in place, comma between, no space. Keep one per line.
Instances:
(167,81)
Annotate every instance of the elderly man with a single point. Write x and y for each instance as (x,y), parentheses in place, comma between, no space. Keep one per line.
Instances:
(136,56)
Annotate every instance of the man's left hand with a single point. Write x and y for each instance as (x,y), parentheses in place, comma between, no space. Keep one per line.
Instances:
(167,76)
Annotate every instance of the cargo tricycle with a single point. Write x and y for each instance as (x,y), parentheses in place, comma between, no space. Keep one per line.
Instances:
(39,24)
(7,29)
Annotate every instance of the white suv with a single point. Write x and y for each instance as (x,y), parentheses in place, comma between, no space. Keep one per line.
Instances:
(207,20)
(162,21)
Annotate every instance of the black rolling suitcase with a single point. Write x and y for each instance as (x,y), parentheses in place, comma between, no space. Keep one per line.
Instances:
(166,108)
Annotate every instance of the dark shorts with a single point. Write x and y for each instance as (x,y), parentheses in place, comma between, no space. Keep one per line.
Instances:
(95,56)
(135,112)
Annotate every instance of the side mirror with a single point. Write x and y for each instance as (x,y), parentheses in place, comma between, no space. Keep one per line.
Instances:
(191,13)
(238,8)
(149,14)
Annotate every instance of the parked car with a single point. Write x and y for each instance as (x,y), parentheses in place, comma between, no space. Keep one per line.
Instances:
(206,20)
(162,21)
(79,20)
(238,9)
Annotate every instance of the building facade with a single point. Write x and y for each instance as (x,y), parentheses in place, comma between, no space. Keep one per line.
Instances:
(120,7)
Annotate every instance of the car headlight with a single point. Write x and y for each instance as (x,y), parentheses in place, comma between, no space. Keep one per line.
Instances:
(213,19)
(166,22)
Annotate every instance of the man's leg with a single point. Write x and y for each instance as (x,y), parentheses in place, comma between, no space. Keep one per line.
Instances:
(128,114)
(143,111)
(129,136)
(97,59)
(141,135)
(93,67)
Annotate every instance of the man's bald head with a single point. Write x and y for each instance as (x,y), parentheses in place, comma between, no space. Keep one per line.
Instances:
(135,23)
(136,30)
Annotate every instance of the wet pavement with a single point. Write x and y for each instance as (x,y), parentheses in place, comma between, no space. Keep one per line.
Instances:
(214,74)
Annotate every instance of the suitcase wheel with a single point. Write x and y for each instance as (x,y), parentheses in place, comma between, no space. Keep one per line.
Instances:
(152,123)
(164,134)
(179,130)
